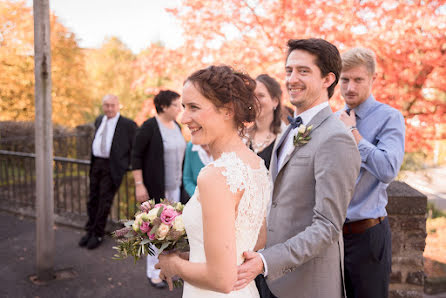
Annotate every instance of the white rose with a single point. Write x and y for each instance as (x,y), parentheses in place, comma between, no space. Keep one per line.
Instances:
(138,217)
(302,129)
(162,231)
(153,213)
(135,226)
(178,224)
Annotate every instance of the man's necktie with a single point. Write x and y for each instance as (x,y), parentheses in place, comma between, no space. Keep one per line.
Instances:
(294,122)
(104,139)
(348,110)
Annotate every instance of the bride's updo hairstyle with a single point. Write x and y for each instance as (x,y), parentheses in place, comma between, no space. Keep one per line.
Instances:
(224,86)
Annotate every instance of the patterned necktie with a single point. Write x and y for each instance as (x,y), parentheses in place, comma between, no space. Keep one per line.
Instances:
(104,139)
(294,122)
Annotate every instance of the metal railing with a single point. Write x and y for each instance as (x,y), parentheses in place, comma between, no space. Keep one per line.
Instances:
(71,185)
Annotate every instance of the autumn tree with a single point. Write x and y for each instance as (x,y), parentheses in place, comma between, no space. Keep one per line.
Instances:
(159,68)
(408,37)
(111,69)
(71,101)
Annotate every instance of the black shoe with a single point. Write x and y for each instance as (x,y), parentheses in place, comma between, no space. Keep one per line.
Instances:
(94,242)
(84,240)
(158,285)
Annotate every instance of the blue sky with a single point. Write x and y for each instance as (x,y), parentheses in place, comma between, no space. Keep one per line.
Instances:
(136,22)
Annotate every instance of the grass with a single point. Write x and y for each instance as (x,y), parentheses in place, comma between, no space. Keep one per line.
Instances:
(433,212)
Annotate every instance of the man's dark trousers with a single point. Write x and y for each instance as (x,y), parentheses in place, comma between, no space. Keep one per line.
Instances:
(368,262)
(102,191)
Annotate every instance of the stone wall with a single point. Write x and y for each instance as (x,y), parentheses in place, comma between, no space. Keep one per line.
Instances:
(407,218)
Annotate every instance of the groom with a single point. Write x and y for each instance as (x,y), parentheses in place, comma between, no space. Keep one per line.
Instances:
(313,184)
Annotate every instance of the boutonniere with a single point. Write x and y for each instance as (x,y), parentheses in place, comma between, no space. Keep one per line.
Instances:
(303,135)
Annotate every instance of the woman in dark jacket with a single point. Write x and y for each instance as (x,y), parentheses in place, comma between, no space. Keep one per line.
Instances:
(157,159)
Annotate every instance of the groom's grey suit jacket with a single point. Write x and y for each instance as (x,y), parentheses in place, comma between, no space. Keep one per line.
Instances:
(312,189)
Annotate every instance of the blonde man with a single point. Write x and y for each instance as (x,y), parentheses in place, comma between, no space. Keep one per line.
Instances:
(379,132)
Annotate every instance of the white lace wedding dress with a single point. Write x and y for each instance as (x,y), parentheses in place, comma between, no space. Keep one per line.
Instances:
(250,214)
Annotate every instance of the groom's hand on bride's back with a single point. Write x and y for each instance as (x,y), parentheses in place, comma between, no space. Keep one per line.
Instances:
(247,272)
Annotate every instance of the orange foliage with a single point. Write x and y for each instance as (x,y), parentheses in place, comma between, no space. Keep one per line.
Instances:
(408,37)
(161,68)
(69,89)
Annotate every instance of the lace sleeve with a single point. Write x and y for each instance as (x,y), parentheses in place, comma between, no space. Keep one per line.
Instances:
(233,171)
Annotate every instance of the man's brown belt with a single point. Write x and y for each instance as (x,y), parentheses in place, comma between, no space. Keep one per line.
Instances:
(360,226)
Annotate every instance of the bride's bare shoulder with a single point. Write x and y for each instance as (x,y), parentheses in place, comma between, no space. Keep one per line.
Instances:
(209,173)
(211,176)
(213,185)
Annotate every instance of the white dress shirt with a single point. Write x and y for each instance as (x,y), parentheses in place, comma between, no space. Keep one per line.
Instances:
(111,126)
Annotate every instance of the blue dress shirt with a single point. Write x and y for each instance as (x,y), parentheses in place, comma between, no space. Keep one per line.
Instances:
(382,150)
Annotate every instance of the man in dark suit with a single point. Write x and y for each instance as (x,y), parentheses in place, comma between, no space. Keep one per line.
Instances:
(110,158)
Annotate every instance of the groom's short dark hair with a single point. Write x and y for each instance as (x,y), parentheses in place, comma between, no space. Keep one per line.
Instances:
(327,55)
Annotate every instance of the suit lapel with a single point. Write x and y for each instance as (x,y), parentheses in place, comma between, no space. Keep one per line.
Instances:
(97,123)
(316,121)
(274,157)
(116,135)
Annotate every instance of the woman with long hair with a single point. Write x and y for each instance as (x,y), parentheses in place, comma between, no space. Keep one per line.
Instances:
(268,125)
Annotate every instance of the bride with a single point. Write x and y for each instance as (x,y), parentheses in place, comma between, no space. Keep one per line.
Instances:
(226,214)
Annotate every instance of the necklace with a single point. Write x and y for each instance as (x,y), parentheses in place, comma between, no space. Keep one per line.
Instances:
(259,146)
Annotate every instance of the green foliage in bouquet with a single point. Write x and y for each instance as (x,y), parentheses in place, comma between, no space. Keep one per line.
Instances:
(130,243)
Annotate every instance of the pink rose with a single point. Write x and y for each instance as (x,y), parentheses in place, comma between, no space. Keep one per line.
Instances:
(144,227)
(168,216)
(151,236)
(165,206)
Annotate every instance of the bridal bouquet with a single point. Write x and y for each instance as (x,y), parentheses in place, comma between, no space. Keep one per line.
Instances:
(158,224)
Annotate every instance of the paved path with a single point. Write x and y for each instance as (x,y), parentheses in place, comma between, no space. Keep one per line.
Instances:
(97,274)
(443,295)
(431,182)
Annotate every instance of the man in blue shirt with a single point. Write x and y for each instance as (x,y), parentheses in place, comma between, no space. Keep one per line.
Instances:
(379,131)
